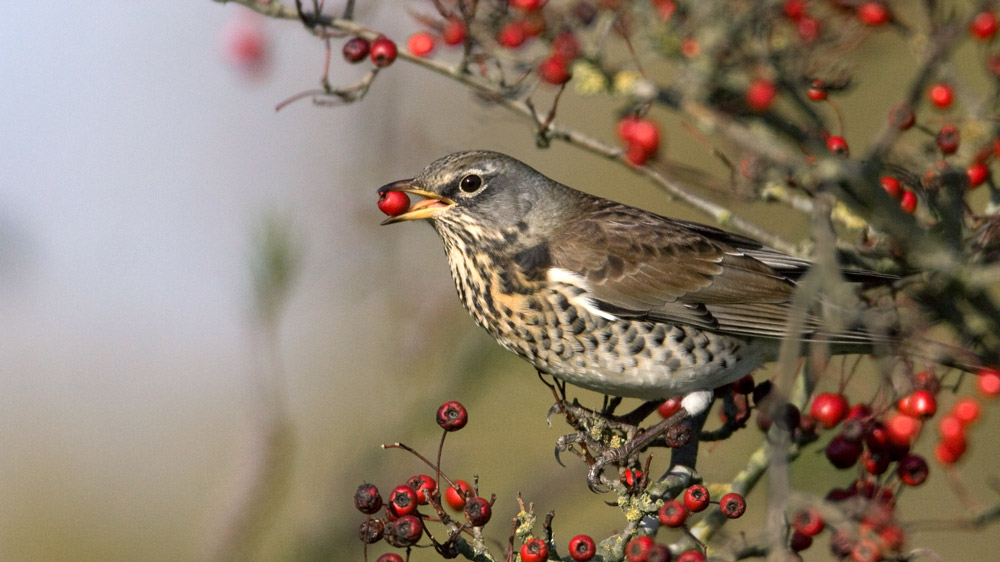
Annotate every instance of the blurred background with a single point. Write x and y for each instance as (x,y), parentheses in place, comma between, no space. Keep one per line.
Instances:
(143,162)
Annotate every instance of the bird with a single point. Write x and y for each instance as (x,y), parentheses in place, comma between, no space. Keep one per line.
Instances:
(606,296)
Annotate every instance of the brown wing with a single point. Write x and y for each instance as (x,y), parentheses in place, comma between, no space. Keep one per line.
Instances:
(642,265)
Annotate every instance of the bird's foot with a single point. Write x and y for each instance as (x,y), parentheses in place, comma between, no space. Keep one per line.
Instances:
(673,430)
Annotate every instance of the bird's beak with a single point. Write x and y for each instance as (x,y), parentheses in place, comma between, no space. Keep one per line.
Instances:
(423,209)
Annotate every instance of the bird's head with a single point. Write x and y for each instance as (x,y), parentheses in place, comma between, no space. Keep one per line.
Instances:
(486,189)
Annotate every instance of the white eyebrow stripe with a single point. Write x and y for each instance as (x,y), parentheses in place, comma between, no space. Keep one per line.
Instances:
(567,277)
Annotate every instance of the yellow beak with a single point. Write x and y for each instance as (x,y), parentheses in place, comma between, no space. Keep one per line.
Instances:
(423,209)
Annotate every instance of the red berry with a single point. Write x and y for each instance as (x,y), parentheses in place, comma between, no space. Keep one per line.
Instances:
(691,556)
(245,44)
(977,173)
(420,43)
(794,9)
(403,501)
(632,479)
(965,411)
(988,381)
(732,505)
(639,132)
(696,498)
(947,139)
(743,385)
(902,429)
(456,499)
(800,541)
(534,550)
(808,521)
(672,513)
(950,428)
(919,404)
(453,32)
(760,94)
(816,91)
(393,203)
(984,25)
(512,35)
(659,553)
(371,531)
(908,201)
(637,549)
(808,29)
(829,408)
(554,70)
(405,531)
(912,470)
(670,407)
(390,557)
(478,512)
(901,116)
(947,455)
(892,537)
(383,51)
(424,485)
(527,5)
(566,45)
(842,452)
(941,95)
(873,13)
(837,145)
(452,416)
(582,548)
(874,463)
(892,186)
(367,499)
(356,49)
(866,551)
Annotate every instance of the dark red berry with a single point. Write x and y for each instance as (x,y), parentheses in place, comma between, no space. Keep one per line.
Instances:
(696,498)
(808,521)
(455,498)
(760,94)
(534,550)
(403,501)
(800,541)
(743,385)
(371,531)
(948,139)
(454,32)
(582,548)
(478,512)
(405,531)
(356,49)
(912,470)
(901,117)
(659,553)
(452,416)
(566,45)
(637,549)
(691,556)
(842,452)
(875,463)
(367,499)
(390,557)
(383,51)
(672,513)
(732,505)
(393,203)
(761,392)
(941,95)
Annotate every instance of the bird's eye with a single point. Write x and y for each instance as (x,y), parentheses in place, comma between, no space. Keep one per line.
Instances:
(470,183)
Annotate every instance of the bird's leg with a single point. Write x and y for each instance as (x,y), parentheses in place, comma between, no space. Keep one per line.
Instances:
(693,406)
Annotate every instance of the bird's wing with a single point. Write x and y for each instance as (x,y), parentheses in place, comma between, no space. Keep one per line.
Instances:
(641,265)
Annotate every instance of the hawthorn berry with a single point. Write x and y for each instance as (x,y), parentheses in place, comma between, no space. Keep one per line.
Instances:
(403,501)
(800,541)
(582,548)
(659,553)
(390,557)
(453,32)
(892,186)
(908,201)
(456,498)
(452,416)
(841,543)
(638,548)
(902,428)
(245,44)
(383,51)
(691,556)
(424,485)
(554,70)
(816,91)
(912,470)
(633,479)
(732,505)
(527,5)
(420,43)
(875,463)
(866,551)
(670,407)
(947,139)
(367,499)
(393,203)
(478,512)
(566,45)
(405,531)
(948,454)
(356,49)
(512,35)
(743,385)
(534,550)
(808,521)
(919,404)
(794,9)
(873,13)
(838,145)
(988,381)
(966,411)
(901,116)
(696,498)
(843,452)
(808,29)
(760,94)
(672,513)
(830,408)
(941,95)
(892,537)
(371,531)
(977,174)
(984,26)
